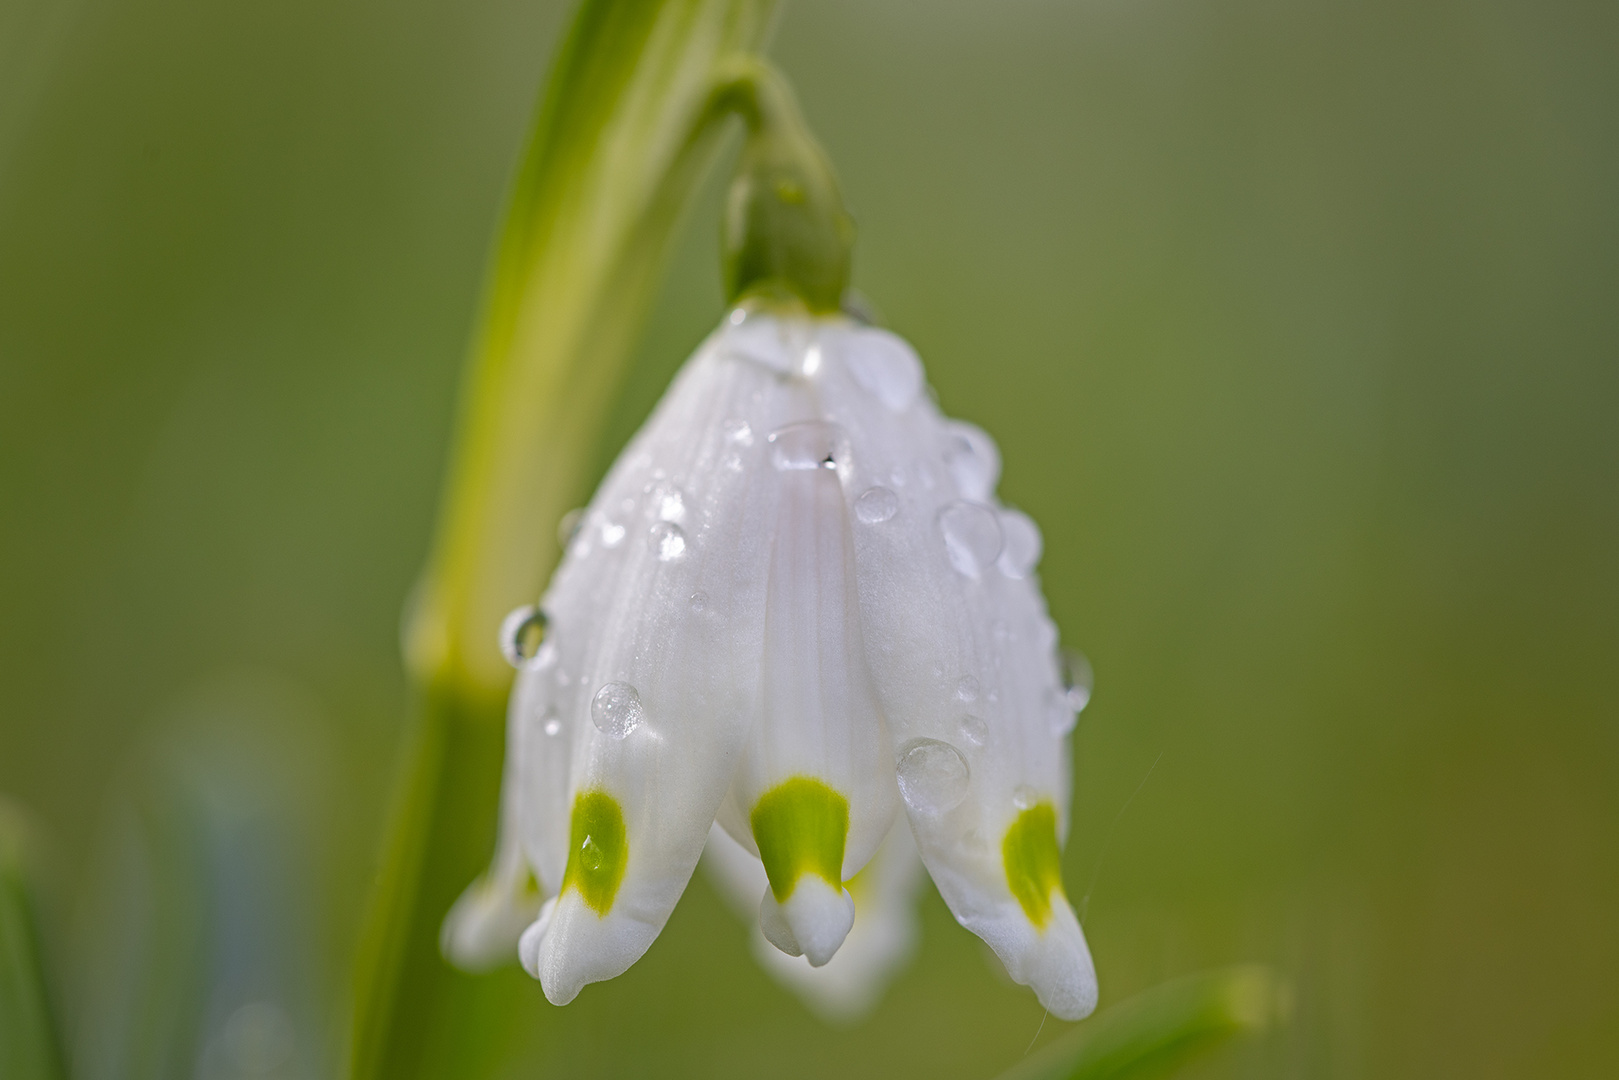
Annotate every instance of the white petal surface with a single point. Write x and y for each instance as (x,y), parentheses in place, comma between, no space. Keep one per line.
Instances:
(964,658)
(657,613)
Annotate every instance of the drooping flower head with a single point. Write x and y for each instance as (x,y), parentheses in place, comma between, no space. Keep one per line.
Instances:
(794,608)
(795,614)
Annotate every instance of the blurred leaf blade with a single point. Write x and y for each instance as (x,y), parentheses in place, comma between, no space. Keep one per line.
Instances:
(29,1035)
(1159,1030)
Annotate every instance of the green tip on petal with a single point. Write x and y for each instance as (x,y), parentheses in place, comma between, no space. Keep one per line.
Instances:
(597,850)
(800,826)
(1033,863)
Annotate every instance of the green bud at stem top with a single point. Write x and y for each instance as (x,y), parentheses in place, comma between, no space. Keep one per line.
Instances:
(786,233)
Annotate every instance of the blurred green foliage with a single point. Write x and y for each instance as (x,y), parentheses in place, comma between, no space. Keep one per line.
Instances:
(1295,324)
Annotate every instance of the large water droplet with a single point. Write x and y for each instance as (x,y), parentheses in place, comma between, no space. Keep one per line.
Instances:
(974,732)
(1077,679)
(885,367)
(813,444)
(522,637)
(972,536)
(590,854)
(1021,551)
(974,460)
(668,542)
(616,709)
(1024,797)
(967,688)
(932,776)
(876,505)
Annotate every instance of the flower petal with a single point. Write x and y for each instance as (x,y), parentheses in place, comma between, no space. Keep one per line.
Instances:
(964,659)
(849,985)
(658,614)
(481,930)
(814,783)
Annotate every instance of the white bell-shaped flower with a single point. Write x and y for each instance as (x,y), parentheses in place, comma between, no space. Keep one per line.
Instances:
(794,610)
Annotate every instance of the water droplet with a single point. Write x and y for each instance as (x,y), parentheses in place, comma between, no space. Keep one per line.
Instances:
(885,367)
(568,527)
(737,317)
(812,362)
(668,542)
(1024,797)
(612,534)
(590,854)
(553,727)
(699,601)
(1022,548)
(972,536)
(522,637)
(668,502)
(974,460)
(732,462)
(616,709)
(738,432)
(876,505)
(813,444)
(974,732)
(967,688)
(1077,679)
(932,776)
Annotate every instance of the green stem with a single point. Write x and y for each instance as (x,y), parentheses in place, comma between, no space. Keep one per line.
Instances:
(29,1044)
(624,133)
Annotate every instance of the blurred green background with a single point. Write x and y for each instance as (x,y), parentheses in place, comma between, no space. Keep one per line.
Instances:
(1297,324)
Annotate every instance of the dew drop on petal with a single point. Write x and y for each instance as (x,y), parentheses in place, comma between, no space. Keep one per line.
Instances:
(972,536)
(885,367)
(967,688)
(522,637)
(668,502)
(668,542)
(1021,552)
(612,534)
(552,727)
(973,459)
(616,709)
(738,432)
(699,601)
(974,732)
(876,505)
(813,444)
(590,854)
(1024,797)
(932,776)
(1077,679)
